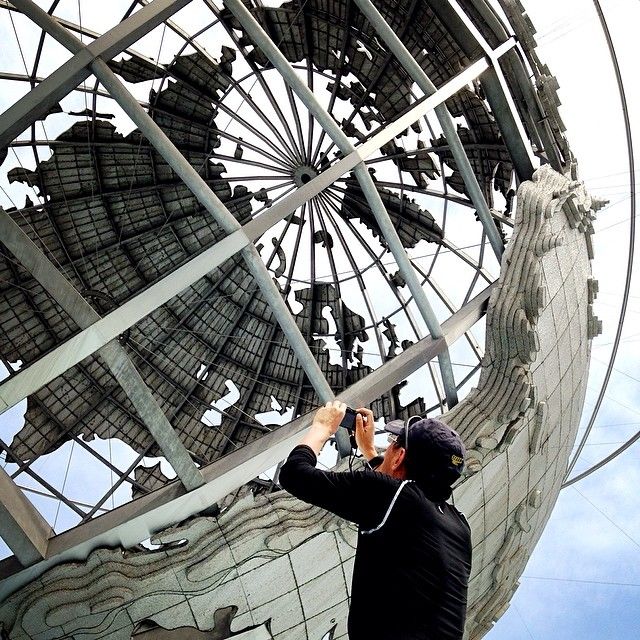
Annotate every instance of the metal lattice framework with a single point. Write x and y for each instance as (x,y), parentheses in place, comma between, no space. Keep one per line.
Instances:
(277,210)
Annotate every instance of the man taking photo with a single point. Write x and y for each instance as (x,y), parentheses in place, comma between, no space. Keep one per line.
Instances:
(413,557)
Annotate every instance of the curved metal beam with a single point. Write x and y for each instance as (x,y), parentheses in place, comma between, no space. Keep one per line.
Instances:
(632,239)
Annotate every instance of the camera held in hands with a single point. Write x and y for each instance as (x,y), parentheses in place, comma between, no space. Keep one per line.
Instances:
(349,420)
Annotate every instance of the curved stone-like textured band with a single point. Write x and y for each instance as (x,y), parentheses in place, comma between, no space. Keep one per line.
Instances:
(269,566)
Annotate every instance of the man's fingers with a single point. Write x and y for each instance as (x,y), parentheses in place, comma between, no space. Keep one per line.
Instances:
(330,415)
(367,415)
(364,432)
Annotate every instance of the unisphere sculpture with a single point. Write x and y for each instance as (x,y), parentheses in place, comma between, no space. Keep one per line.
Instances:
(298,201)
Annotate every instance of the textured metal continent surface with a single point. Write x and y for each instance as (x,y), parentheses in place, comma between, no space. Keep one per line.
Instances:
(286,566)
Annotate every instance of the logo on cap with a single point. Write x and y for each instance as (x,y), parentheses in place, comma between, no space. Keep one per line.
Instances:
(456,460)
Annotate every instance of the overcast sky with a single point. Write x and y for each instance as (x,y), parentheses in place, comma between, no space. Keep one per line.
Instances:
(583,579)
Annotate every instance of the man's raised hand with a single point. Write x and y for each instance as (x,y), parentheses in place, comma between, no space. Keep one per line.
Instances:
(365,431)
(330,416)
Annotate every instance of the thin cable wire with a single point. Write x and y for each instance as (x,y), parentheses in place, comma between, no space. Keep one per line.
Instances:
(48,495)
(524,624)
(615,524)
(64,483)
(602,462)
(601,582)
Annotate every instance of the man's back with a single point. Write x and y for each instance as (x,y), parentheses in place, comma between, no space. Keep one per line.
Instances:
(414,555)
(417,565)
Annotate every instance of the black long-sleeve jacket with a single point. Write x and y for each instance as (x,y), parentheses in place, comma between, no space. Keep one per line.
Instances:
(413,558)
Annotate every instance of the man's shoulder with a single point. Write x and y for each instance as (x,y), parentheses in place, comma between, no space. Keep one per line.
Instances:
(462,517)
(415,495)
(459,516)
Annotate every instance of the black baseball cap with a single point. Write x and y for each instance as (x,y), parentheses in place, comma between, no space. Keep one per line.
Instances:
(435,451)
